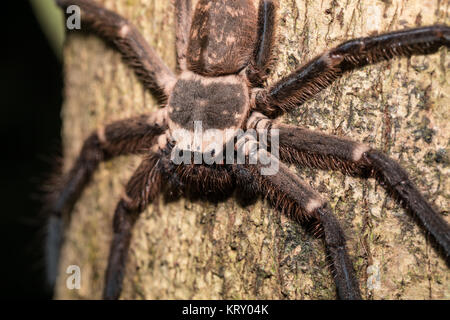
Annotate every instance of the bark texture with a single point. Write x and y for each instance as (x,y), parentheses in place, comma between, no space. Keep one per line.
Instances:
(200,250)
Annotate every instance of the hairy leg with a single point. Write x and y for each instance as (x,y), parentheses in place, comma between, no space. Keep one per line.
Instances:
(294,197)
(315,149)
(129,136)
(183,16)
(262,57)
(304,83)
(114,29)
(142,188)
(288,192)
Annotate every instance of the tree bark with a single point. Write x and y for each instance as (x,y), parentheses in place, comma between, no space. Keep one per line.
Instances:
(201,250)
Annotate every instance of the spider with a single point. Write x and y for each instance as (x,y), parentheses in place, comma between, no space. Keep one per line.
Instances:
(224,51)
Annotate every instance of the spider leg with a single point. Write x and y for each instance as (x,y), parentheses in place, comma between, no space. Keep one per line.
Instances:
(128,136)
(114,29)
(304,83)
(262,56)
(141,189)
(288,192)
(315,149)
(183,15)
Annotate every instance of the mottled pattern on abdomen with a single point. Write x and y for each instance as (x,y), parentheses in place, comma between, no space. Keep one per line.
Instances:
(222,37)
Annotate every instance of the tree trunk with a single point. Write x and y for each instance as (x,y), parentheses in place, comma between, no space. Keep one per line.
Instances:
(201,250)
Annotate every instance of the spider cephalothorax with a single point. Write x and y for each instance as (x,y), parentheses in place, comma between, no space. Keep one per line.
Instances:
(217,103)
(224,51)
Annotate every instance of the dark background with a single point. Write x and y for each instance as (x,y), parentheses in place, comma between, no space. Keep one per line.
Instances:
(31,96)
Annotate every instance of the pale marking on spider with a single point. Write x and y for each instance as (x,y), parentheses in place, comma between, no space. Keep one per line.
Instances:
(101,134)
(124,31)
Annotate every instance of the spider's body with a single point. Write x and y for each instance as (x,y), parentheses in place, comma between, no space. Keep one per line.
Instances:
(220,103)
(224,51)
(212,89)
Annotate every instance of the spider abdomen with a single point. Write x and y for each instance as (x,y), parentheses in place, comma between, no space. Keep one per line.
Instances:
(222,37)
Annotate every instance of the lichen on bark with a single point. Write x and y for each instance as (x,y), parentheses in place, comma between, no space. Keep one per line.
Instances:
(202,250)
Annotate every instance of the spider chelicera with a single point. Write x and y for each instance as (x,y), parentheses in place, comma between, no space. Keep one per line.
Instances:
(224,51)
